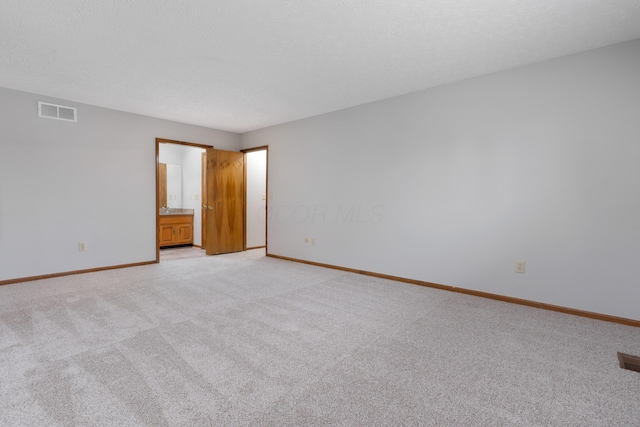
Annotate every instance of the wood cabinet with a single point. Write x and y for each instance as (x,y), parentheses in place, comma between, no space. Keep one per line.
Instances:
(176,230)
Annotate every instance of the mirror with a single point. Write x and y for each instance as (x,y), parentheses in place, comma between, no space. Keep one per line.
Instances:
(170,185)
(174,186)
(180,175)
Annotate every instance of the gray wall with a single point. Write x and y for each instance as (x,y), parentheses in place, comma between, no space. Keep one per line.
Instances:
(455,184)
(92,181)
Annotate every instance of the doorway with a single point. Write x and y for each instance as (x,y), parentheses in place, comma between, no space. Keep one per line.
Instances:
(256,198)
(226,193)
(179,199)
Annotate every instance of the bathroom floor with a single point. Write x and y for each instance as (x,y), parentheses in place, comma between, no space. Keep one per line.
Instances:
(180,252)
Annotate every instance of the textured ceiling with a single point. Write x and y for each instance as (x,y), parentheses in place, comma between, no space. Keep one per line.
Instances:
(240,65)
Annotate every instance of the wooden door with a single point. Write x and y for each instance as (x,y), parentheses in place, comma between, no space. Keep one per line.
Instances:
(166,234)
(184,233)
(225,201)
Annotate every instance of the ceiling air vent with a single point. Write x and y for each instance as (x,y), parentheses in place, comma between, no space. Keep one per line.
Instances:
(58,112)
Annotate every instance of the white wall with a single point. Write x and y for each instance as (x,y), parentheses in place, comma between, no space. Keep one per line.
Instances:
(93,181)
(455,184)
(256,162)
(170,153)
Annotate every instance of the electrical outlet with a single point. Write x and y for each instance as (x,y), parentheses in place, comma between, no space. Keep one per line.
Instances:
(520,267)
(82,247)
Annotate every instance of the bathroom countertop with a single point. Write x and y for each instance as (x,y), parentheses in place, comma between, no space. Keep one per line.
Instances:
(176,211)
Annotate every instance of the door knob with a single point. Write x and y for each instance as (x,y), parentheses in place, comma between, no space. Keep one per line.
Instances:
(209,207)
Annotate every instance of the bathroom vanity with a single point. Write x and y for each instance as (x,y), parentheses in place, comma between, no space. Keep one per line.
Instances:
(176,227)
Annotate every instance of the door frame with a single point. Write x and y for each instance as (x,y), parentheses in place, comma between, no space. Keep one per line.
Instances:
(266,218)
(158,142)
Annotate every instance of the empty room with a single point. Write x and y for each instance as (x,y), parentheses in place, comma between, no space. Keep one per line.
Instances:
(354,213)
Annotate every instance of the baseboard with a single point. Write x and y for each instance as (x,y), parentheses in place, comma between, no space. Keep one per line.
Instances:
(255,247)
(544,306)
(69,273)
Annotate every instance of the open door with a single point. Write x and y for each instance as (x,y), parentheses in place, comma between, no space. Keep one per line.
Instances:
(225,201)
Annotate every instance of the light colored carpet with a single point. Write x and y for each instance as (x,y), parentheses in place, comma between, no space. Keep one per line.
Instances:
(246,340)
